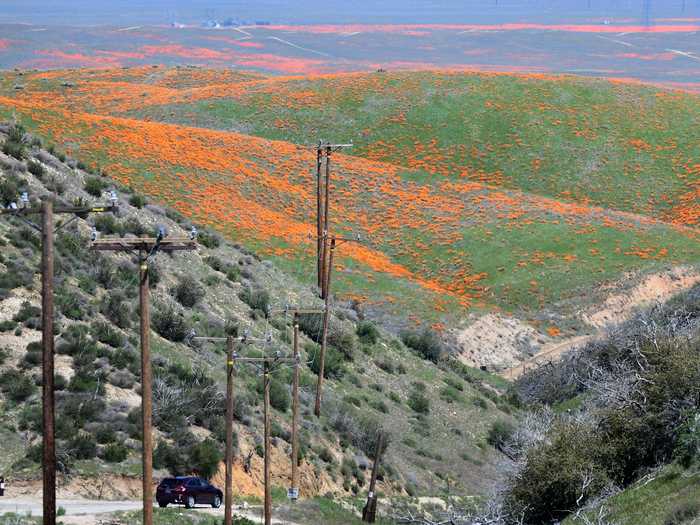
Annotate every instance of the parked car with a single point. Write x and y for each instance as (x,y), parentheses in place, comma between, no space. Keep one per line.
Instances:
(188,491)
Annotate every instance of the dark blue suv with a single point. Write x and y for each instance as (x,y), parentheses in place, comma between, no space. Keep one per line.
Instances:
(188,491)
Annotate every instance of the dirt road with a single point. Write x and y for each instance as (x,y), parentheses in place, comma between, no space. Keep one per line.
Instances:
(548,353)
(90,512)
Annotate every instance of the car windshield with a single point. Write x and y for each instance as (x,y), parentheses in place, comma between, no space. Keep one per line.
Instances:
(168,482)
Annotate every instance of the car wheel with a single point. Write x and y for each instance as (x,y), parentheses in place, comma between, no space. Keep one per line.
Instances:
(189,502)
(162,504)
(217,502)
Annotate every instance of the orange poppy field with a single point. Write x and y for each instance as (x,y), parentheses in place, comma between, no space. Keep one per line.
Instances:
(470,191)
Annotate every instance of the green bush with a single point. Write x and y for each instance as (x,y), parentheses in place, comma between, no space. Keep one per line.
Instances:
(105,435)
(116,309)
(342,339)
(33,357)
(75,340)
(215,263)
(134,226)
(87,382)
(26,312)
(549,485)
(500,433)
(334,363)
(379,406)
(205,458)
(95,186)
(279,395)
(36,169)
(188,292)
(104,333)
(278,431)
(425,343)
(257,298)
(115,453)
(16,133)
(107,224)
(71,304)
(418,401)
(9,189)
(171,458)
(209,239)
(326,455)
(480,402)
(170,323)
(14,149)
(367,332)
(138,201)
(17,386)
(454,383)
(233,273)
(83,446)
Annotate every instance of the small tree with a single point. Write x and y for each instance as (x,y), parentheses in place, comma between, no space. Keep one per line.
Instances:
(205,458)
(426,343)
(367,332)
(116,453)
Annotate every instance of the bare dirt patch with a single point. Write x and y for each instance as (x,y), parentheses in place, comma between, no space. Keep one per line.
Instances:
(658,287)
(496,341)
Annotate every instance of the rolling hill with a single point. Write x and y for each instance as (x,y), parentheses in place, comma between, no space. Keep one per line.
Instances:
(474,193)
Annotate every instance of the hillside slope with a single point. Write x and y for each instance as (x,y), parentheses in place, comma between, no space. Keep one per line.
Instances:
(443,237)
(374,380)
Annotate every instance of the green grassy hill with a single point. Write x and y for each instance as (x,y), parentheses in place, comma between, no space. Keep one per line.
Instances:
(475,193)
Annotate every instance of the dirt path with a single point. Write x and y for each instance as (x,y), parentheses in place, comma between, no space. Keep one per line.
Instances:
(549,353)
(617,308)
(90,512)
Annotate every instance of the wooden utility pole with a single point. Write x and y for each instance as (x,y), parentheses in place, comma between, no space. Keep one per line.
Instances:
(146,248)
(323,152)
(294,492)
(326,227)
(231,358)
(146,391)
(369,513)
(228,498)
(47,342)
(47,230)
(324,336)
(268,488)
(268,363)
(319,218)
